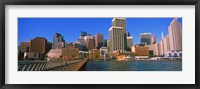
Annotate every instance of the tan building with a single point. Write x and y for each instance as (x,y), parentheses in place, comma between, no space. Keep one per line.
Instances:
(70,53)
(94,54)
(153,39)
(89,41)
(99,40)
(162,45)
(166,44)
(175,35)
(116,39)
(141,50)
(90,44)
(120,57)
(155,48)
(24,46)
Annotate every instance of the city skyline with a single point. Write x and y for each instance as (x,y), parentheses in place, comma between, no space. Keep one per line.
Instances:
(92,47)
(43,27)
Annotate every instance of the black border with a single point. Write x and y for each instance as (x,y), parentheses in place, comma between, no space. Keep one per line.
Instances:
(99,2)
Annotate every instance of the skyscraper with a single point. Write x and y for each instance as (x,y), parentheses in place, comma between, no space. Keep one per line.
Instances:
(105,43)
(89,41)
(116,41)
(99,40)
(129,43)
(58,41)
(128,34)
(145,38)
(118,35)
(175,35)
(119,22)
(90,44)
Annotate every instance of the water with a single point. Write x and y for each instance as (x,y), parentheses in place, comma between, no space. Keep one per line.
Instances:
(134,66)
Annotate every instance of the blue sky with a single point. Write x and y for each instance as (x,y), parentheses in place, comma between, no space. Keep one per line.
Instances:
(70,28)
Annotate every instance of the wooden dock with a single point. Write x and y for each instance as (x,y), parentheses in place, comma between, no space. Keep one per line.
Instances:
(74,65)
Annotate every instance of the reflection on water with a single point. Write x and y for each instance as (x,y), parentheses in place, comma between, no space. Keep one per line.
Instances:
(134,66)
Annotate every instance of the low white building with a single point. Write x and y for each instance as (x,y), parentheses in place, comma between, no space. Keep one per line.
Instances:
(103,50)
(173,53)
(133,49)
(141,57)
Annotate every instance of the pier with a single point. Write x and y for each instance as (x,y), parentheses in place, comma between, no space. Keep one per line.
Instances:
(53,65)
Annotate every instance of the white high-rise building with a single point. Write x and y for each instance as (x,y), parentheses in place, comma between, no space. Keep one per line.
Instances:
(118,35)
(119,22)
(116,41)
(175,35)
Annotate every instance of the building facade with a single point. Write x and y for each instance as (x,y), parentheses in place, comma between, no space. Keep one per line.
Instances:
(145,38)
(54,54)
(94,54)
(129,43)
(141,50)
(174,53)
(58,41)
(120,25)
(38,48)
(155,49)
(116,41)
(38,44)
(99,40)
(90,44)
(80,46)
(24,47)
(175,35)
(166,44)
(70,53)
(103,50)
(153,39)
(119,22)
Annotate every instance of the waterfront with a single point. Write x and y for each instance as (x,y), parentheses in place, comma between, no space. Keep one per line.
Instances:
(134,66)
(109,49)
